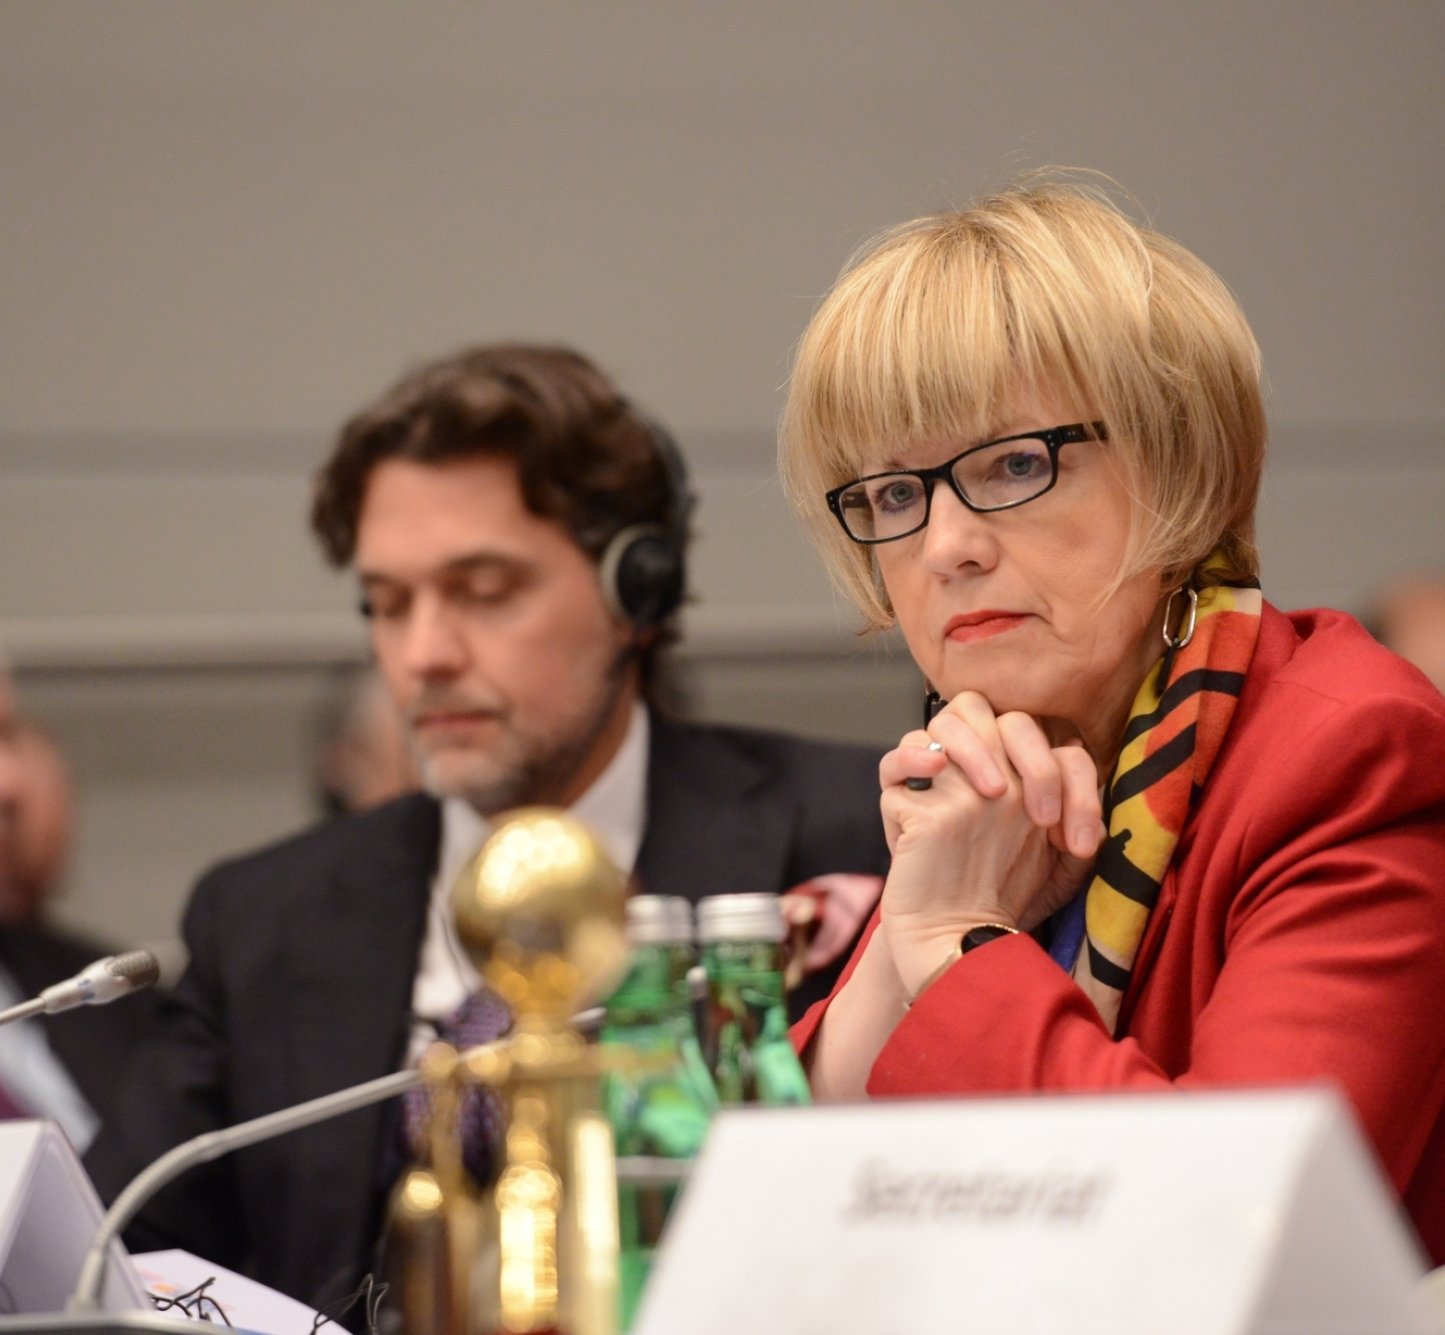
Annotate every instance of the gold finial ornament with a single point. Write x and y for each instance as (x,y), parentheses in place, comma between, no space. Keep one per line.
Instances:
(540,910)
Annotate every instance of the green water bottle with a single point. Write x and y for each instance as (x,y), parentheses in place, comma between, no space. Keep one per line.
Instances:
(751,1057)
(660,1109)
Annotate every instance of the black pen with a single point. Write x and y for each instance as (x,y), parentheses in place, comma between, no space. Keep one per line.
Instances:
(932,703)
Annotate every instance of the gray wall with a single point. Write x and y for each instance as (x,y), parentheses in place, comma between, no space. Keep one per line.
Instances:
(226,225)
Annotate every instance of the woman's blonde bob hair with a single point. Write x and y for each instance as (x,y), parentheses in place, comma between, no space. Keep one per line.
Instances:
(937,328)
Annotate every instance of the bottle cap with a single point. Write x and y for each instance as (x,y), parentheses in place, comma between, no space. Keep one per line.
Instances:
(751,917)
(659,920)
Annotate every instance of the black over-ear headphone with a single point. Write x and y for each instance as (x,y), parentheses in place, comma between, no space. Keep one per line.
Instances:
(643,567)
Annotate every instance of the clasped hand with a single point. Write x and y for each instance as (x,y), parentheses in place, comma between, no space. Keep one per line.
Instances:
(1006,833)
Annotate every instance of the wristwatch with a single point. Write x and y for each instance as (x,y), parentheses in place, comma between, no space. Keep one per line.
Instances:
(983,934)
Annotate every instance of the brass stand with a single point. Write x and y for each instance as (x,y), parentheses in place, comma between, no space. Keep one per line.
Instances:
(540,911)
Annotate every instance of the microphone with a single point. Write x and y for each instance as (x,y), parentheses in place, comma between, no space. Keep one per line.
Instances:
(97,984)
(212,1145)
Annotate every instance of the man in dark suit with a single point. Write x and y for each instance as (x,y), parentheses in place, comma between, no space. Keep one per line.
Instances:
(518,531)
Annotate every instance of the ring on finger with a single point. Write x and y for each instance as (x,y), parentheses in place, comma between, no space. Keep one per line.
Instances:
(922,785)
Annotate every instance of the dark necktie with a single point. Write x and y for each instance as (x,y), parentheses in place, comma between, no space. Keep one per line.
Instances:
(481,1018)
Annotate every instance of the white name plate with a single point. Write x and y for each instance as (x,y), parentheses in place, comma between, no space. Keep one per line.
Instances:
(1197,1214)
(48,1216)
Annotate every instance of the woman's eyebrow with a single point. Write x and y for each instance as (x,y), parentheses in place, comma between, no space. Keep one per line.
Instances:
(957,443)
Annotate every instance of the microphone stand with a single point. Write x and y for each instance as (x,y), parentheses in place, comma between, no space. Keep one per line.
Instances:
(23,1011)
(212,1145)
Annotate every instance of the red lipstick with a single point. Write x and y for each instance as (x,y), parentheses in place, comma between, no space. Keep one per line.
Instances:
(982,625)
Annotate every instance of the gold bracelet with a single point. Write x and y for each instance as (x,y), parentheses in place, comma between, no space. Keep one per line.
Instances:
(971,940)
(953,958)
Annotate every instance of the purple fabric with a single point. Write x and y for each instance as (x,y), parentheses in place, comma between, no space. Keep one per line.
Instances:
(11,1109)
(482,1017)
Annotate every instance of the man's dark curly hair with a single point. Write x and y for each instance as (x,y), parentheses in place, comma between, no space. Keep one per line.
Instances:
(585,458)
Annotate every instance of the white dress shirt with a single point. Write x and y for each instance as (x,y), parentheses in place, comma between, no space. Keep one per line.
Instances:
(614,808)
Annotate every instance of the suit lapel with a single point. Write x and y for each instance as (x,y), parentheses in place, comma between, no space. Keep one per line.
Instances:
(716,820)
(351,964)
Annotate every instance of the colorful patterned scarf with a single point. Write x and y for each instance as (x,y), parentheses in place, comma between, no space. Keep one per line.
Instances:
(1176,726)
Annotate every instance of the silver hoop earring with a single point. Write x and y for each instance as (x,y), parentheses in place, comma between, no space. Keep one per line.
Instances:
(1186,632)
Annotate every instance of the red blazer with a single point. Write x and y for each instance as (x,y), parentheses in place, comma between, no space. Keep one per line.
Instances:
(1299,934)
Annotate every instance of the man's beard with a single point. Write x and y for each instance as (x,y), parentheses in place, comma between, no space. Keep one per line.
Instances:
(14,903)
(539,770)
(539,775)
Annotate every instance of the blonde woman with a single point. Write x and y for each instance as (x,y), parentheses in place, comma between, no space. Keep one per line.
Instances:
(1160,833)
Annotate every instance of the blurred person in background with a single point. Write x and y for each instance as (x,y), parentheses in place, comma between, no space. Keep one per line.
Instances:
(362,756)
(1159,833)
(43,825)
(1409,617)
(518,532)
(64,1067)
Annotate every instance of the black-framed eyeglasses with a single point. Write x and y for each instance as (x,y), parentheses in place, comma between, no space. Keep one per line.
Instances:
(997,475)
